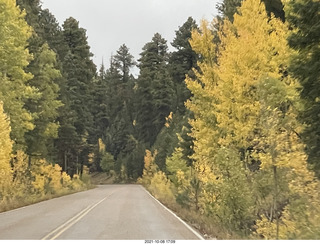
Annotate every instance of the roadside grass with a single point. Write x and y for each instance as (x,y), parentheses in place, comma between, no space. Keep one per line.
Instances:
(15,201)
(202,223)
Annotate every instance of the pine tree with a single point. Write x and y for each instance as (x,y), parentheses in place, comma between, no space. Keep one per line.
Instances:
(182,61)
(155,91)
(228,8)
(52,33)
(124,61)
(101,105)
(75,117)
(303,17)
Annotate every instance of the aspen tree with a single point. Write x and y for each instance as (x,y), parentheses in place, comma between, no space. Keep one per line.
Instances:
(14,57)
(247,146)
(5,154)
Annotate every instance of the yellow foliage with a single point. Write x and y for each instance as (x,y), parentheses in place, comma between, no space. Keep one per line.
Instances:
(77,184)
(101,146)
(22,180)
(245,112)
(160,187)
(66,180)
(5,154)
(150,168)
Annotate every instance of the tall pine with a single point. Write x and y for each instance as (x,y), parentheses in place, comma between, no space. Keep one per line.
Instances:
(155,90)
(75,117)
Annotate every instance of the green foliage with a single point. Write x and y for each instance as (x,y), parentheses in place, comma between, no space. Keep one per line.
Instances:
(303,17)
(228,8)
(155,90)
(176,162)
(182,61)
(75,118)
(45,108)
(106,159)
(14,57)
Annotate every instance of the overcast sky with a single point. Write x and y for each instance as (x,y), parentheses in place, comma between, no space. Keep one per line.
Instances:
(111,23)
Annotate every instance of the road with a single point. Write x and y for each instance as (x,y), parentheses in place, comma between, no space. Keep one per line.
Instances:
(110,212)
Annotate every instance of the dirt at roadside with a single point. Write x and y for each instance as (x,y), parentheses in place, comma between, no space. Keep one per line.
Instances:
(101,178)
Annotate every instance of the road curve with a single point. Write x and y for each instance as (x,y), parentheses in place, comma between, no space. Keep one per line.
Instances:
(110,212)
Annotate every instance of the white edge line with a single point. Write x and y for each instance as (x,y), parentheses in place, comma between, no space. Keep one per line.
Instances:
(183,222)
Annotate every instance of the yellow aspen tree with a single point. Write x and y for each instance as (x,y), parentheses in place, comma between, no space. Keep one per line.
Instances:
(204,130)
(247,146)
(217,168)
(204,125)
(150,168)
(257,111)
(5,154)
(14,57)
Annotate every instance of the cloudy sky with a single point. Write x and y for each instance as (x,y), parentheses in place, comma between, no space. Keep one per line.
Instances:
(111,23)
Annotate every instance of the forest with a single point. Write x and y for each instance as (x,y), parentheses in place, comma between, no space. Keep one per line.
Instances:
(224,128)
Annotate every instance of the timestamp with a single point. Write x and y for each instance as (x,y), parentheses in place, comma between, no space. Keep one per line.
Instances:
(159,241)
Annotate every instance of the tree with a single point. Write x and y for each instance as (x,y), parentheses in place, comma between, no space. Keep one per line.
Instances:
(155,90)
(45,77)
(5,154)
(75,117)
(45,107)
(228,8)
(14,57)
(182,61)
(249,138)
(52,33)
(124,61)
(303,17)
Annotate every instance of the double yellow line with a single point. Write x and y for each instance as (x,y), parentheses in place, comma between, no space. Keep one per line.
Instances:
(62,228)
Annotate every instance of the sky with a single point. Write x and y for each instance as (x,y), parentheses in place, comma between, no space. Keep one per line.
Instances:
(111,23)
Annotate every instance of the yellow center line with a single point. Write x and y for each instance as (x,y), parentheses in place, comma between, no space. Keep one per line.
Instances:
(62,228)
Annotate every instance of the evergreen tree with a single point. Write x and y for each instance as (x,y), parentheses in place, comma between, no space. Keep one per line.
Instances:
(100,109)
(75,118)
(124,61)
(228,8)
(303,16)
(52,34)
(155,90)
(182,62)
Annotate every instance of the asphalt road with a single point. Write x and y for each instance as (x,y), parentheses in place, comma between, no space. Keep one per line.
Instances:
(111,212)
